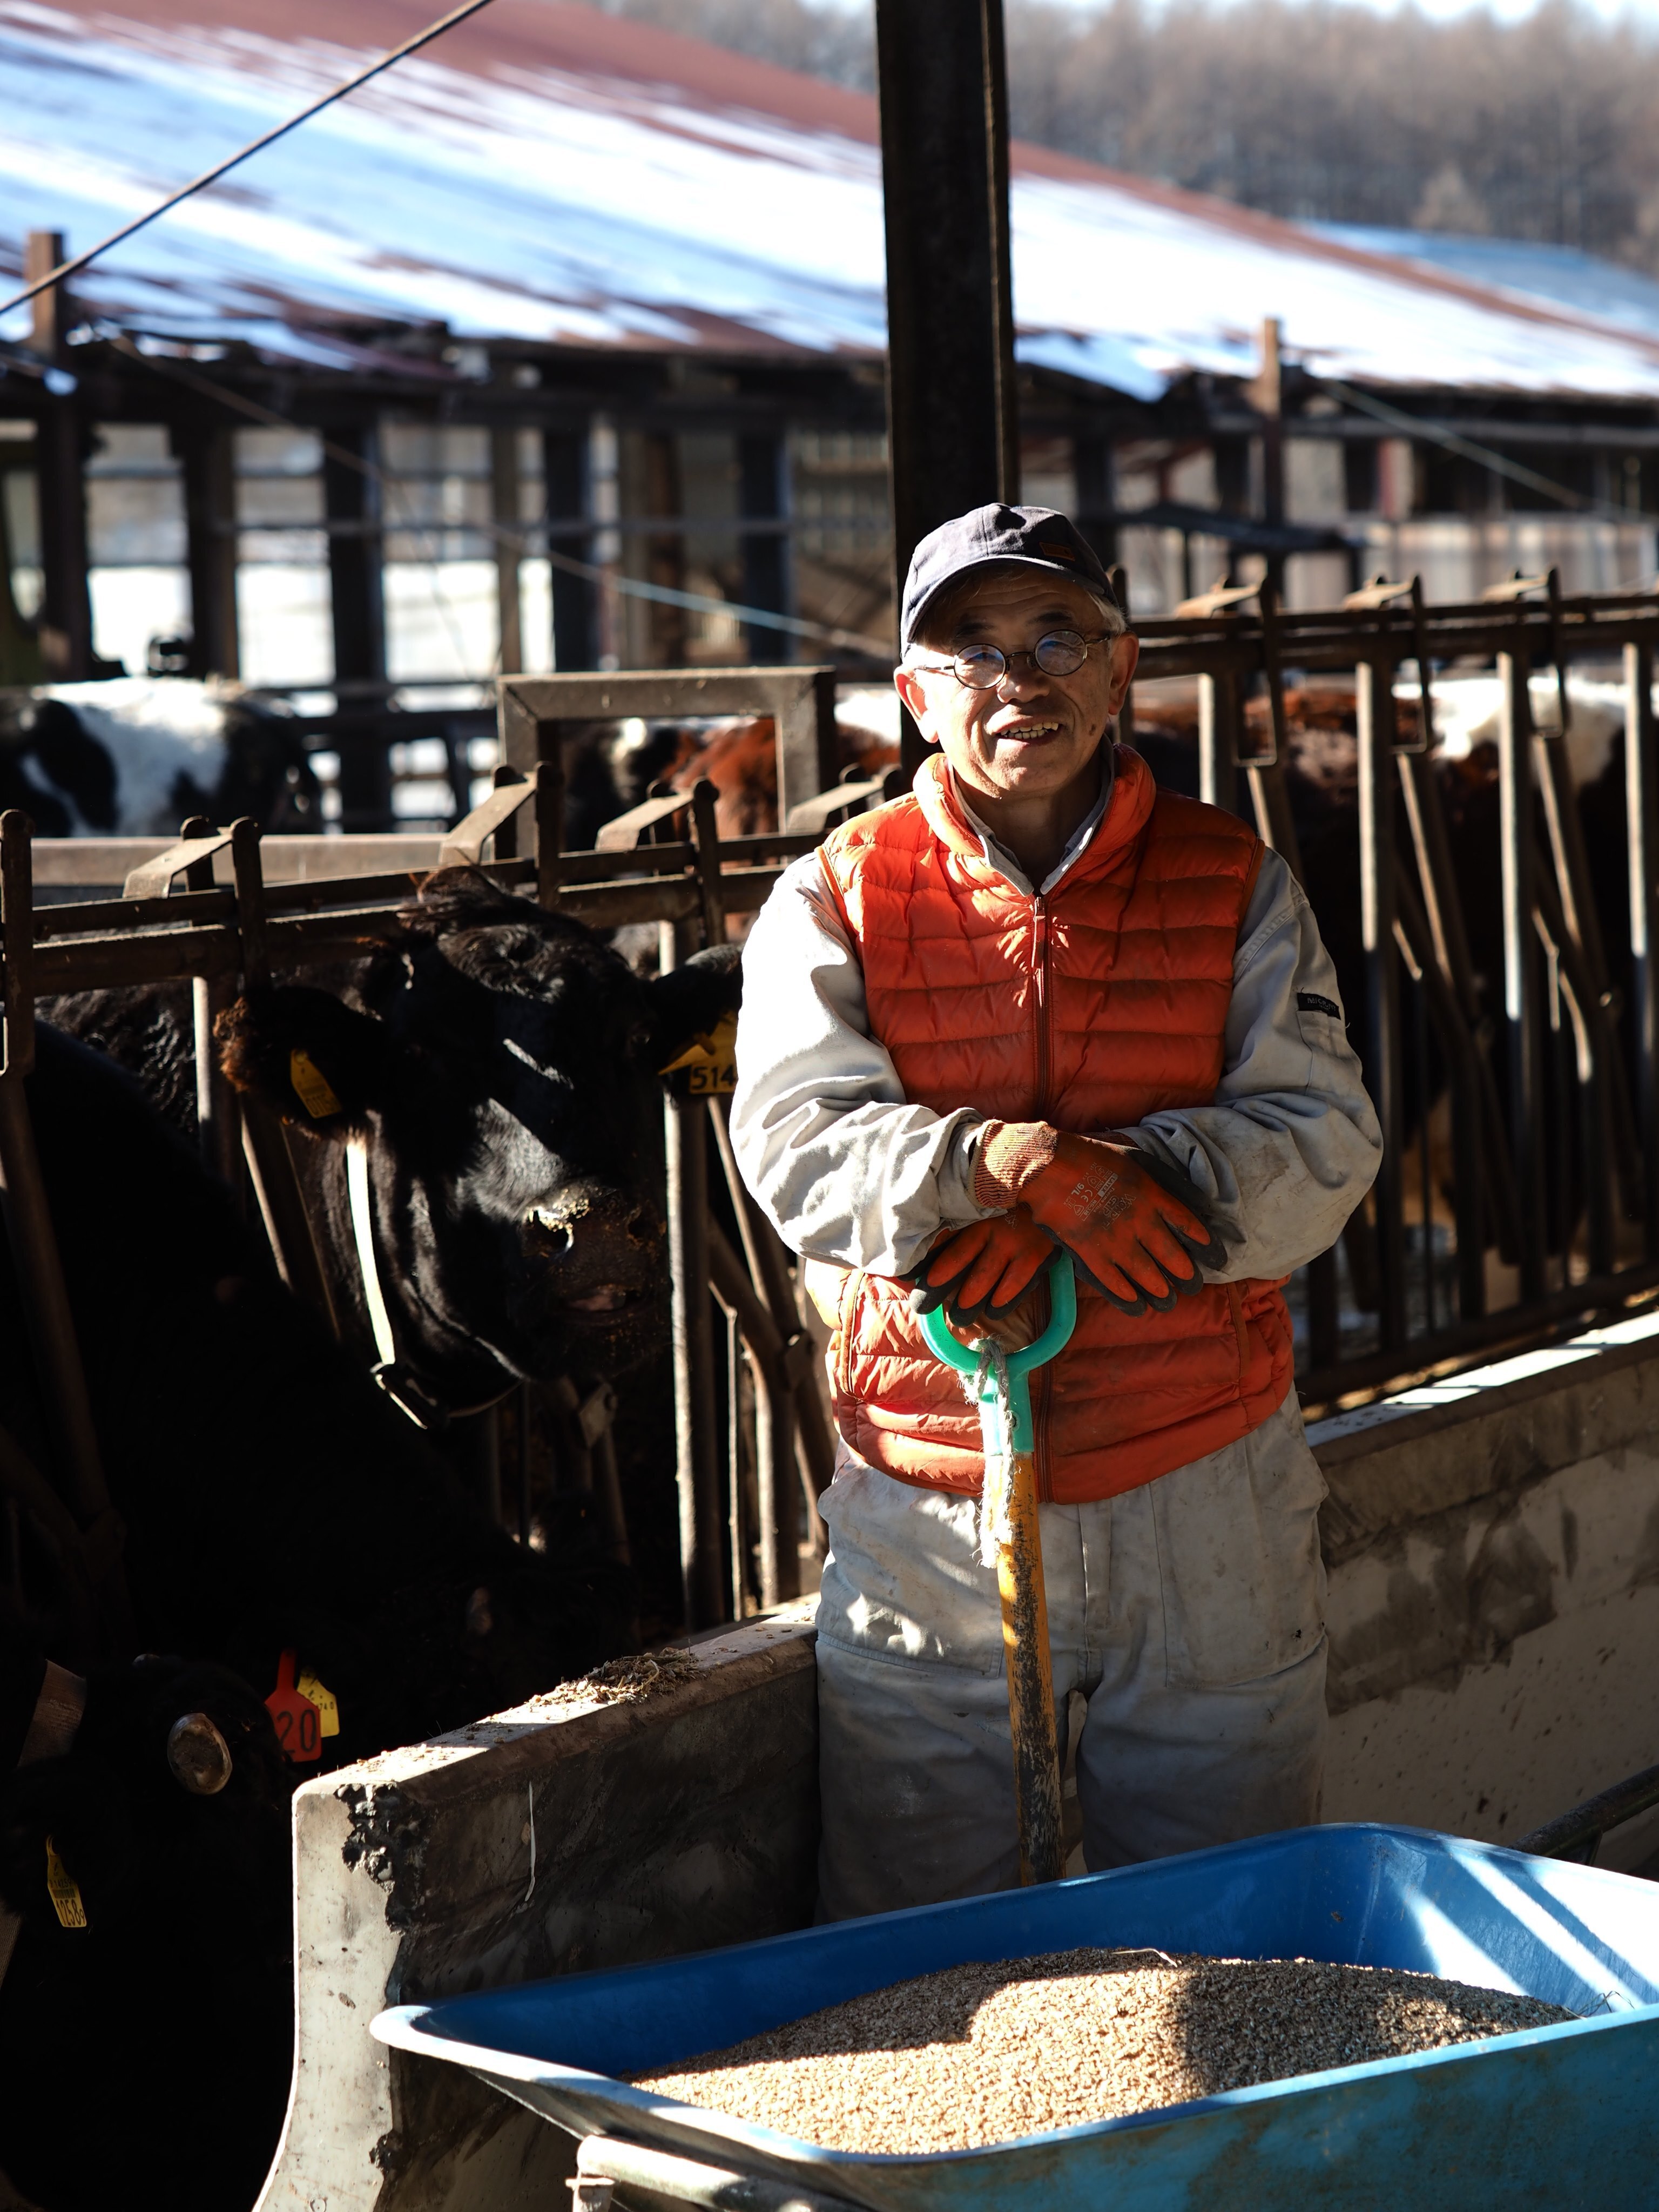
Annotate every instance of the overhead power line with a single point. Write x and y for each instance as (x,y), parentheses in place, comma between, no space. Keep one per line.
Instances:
(223,169)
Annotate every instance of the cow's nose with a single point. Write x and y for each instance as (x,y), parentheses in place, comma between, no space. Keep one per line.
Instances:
(589,1220)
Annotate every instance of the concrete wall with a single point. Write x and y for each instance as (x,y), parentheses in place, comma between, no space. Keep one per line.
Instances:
(1494,1549)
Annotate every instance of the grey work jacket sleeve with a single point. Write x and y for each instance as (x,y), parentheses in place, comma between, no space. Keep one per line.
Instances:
(846,1167)
(1291,1144)
(848,1170)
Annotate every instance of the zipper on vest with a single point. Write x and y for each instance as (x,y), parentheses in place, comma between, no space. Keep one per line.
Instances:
(1043,973)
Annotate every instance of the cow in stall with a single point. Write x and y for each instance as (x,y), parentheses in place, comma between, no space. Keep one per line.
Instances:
(1320,772)
(132,756)
(283,1520)
(484,1111)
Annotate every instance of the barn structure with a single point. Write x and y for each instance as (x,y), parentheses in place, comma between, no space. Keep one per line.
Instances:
(562,345)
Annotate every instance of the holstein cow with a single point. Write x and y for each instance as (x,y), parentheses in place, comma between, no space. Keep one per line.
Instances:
(132,756)
(281,1519)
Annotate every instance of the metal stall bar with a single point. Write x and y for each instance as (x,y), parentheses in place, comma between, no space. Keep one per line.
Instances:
(1416,941)
(27,1214)
(264,1140)
(1515,796)
(1642,812)
(1375,716)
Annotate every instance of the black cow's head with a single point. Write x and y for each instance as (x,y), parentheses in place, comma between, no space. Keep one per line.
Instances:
(505,1065)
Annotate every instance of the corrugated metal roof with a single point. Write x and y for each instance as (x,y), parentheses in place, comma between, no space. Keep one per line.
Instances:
(552,174)
(1524,269)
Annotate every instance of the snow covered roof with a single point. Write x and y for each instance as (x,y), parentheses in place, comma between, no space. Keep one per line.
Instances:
(1543,276)
(546,173)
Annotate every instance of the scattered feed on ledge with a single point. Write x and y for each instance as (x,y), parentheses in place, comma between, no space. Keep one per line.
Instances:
(982,2053)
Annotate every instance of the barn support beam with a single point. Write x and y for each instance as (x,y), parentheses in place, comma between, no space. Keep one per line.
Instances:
(351,503)
(64,628)
(568,478)
(207,455)
(1092,474)
(509,547)
(764,497)
(952,416)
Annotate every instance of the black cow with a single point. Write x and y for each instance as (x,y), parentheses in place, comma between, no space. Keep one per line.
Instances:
(273,1501)
(146,2035)
(133,756)
(500,1064)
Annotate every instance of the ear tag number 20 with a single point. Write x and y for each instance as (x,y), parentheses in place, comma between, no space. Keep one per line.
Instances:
(298,1723)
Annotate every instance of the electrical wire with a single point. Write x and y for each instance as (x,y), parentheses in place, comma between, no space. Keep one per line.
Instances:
(223,168)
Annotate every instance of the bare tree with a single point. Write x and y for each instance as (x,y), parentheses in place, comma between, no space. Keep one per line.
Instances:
(1547,128)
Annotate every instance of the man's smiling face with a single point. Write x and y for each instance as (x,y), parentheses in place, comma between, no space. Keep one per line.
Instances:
(1032,735)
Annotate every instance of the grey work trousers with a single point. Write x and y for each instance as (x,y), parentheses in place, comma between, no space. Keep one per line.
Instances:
(1189,1613)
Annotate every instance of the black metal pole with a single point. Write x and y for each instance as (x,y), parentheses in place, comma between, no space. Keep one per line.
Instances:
(1374,701)
(764,497)
(565,457)
(351,499)
(953,422)
(1641,791)
(1516,833)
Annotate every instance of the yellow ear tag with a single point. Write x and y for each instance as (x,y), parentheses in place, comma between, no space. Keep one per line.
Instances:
(710,1060)
(63,1891)
(327,1705)
(311,1086)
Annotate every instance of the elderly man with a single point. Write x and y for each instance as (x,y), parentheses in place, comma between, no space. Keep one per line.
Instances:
(1041,1003)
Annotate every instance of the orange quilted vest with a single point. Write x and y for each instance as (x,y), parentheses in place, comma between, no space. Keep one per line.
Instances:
(1090,1009)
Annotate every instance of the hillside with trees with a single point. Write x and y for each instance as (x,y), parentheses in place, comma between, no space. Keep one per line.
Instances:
(1544,129)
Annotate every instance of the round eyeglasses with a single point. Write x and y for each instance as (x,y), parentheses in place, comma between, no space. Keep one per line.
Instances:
(982,667)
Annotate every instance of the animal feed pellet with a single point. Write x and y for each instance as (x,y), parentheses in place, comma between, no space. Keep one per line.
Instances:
(980,2054)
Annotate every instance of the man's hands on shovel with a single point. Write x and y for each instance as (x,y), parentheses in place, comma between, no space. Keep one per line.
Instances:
(1136,1227)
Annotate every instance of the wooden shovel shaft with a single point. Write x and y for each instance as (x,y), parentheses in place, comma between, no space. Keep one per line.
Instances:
(1030,1681)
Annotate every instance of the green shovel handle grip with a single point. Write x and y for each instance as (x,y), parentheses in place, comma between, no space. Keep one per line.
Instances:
(1062,1320)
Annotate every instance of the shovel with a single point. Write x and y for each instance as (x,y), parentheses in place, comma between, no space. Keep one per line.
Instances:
(1005,1414)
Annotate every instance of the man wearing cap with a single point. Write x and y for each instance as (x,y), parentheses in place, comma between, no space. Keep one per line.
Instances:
(1039,1004)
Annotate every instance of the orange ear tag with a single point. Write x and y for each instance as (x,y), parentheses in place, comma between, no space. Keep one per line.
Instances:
(298,1723)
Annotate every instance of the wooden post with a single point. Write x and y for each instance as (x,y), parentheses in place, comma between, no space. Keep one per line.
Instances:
(764,497)
(509,546)
(351,501)
(206,452)
(64,628)
(575,631)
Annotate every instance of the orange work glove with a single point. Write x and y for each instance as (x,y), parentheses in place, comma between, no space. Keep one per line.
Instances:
(1135,1226)
(983,1269)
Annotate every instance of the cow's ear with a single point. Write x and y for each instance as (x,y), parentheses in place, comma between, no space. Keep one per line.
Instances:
(690,1002)
(314,1059)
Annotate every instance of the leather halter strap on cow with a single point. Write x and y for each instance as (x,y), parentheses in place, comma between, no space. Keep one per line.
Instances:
(401,1384)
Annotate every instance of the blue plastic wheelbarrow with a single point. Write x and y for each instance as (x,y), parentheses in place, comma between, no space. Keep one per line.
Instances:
(1556,2116)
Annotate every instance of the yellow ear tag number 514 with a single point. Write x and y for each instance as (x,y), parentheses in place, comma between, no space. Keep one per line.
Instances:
(311,1086)
(63,1890)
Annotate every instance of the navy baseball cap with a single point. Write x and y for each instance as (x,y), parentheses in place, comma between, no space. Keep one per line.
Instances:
(1033,537)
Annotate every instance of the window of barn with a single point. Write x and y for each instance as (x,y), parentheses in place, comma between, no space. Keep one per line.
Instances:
(137,576)
(284,629)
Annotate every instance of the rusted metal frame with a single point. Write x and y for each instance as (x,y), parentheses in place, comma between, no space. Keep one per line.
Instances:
(1582,926)
(1642,817)
(799,701)
(1375,717)
(48,1318)
(780,1557)
(1464,1065)
(1570,985)
(264,1139)
(218,1115)
(1515,838)
(696,1471)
